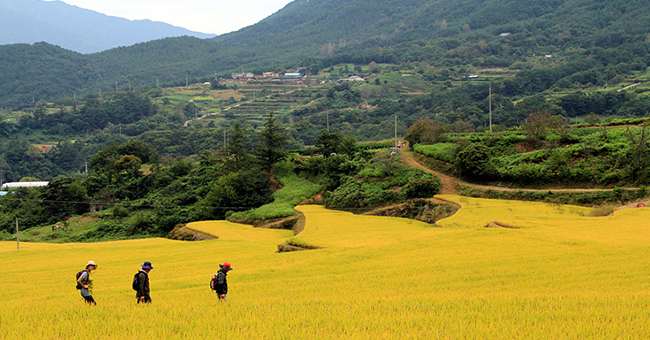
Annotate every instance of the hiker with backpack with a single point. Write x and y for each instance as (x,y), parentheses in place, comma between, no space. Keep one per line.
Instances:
(85,283)
(219,282)
(141,283)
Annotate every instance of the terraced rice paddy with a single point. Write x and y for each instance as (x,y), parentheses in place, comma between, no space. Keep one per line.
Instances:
(552,273)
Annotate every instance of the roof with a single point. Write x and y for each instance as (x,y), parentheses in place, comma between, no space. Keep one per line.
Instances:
(24,184)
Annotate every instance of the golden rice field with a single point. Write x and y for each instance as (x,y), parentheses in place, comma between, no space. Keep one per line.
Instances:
(554,274)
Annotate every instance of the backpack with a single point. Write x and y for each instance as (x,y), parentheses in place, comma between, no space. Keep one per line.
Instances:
(217,280)
(79,286)
(213,282)
(136,281)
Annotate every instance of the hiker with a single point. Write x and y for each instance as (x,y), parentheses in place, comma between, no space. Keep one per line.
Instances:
(143,283)
(86,283)
(221,283)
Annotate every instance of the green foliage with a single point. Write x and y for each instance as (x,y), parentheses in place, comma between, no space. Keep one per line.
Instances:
(474,162)
(441,151)
(353,194)
(270,146)
(616,196)
(111,158)
(241,190)
(64,190)
(421,188)
(425,131)
(329,143)
(238,146)
(294,190)
(381,182)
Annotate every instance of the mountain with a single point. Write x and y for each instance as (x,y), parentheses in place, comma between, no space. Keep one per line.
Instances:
(592,37)
(77,29)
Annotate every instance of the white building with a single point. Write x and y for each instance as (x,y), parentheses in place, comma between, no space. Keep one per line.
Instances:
(14,185)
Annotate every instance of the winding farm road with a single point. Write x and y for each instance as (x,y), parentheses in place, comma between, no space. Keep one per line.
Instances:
(449,183)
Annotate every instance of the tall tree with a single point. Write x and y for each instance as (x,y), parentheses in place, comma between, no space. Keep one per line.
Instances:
(238,145)
(270,146)
(328,143)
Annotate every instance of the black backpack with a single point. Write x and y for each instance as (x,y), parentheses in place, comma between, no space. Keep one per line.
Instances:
(79,286)
(217,280)
(136,281)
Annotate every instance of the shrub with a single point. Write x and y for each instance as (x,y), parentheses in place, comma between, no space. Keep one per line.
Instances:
(421,188)
(440,151)
(473,162)
(294,191)
(120,212)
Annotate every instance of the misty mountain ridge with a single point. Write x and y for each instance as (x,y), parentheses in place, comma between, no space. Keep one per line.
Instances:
(77,29)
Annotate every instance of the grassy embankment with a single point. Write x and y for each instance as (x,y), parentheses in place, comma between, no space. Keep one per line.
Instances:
(560,274)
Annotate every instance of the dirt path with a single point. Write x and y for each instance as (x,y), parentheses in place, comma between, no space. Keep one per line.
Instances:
(449,184)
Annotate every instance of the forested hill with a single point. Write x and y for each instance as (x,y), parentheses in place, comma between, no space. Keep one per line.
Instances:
(77,29)
(319,33)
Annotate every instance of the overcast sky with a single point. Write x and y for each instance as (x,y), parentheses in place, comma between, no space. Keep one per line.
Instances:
(206,16)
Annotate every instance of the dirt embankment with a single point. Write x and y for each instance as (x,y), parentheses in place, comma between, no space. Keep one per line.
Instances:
(425,210)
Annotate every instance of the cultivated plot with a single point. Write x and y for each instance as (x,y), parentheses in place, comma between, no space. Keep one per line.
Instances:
(545,271)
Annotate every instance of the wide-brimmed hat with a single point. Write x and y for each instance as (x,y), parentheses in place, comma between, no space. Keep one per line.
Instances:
(91,263)
(225,266)
(146,265)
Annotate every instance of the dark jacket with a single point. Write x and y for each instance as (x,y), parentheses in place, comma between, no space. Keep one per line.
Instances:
(143,280)
(222,283)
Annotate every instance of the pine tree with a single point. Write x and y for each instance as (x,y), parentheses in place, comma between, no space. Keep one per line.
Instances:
(238,145)
(270,146)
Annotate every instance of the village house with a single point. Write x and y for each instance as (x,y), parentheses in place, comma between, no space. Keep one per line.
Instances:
(242,75)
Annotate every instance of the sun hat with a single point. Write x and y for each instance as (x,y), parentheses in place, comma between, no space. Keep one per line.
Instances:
(91,263)
(146,265)
(225,266)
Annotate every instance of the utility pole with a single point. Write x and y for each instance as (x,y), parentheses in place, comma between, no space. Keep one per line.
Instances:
(86,165)
(328,121)
(187,81)
(17,241)
(490,107)
(115,86)
(395,130)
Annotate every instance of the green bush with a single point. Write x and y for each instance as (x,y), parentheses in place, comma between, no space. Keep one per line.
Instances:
(441,151)
(294,191)
(120,212)
(618,195)
(4,235)
(354,194)
(474,162)
(421,188)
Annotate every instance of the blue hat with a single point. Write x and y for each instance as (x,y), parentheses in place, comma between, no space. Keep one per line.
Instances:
(146,265)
